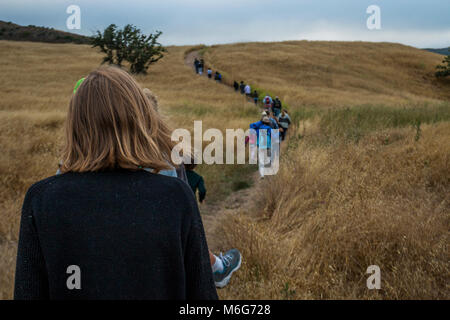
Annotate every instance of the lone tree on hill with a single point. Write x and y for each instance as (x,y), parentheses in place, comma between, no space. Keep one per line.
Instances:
(444,70)
(130,45)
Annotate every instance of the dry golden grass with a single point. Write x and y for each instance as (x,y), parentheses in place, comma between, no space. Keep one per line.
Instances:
(333,211)
(337,204)
(355,188)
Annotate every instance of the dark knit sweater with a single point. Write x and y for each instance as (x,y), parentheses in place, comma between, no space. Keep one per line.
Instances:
(134,235)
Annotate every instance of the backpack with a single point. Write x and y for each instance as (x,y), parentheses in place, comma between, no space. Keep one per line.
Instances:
(267,100)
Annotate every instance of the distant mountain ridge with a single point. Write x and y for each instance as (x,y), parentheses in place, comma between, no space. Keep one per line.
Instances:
(444,51)
(12,31)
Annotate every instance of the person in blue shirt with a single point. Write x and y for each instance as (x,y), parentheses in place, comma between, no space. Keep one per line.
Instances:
(263,141)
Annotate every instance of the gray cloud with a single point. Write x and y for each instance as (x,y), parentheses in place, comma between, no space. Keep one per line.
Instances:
(412,22)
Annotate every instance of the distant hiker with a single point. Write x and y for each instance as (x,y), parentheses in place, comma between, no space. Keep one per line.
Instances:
(284,120)
(201,65)
(138,235)
(255,97)
(248,90)
(223,266)
(196,65)
(236,86)
(267,101)
(263,138)
(242,87)
(277,106)
(218,77)
(209,73)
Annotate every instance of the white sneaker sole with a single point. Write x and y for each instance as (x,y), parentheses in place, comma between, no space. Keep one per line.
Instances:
(225,281)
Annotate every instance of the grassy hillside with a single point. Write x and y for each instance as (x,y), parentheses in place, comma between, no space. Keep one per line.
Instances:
(364,178)
(334,74)
(443,51)
(12,31)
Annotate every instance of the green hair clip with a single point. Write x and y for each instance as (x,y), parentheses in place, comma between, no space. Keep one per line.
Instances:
(79,82)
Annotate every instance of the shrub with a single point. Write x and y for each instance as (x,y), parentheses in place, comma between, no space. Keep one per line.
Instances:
(130,45)
(443,70)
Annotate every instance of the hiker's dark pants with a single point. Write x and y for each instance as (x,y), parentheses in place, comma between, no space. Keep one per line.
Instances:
(276,111)
(283,134)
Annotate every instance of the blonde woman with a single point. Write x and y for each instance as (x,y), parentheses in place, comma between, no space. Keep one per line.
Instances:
(105,228)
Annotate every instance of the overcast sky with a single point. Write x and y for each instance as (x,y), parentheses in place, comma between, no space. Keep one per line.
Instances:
(424,23)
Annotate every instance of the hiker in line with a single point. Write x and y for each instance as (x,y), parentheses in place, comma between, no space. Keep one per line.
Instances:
(209,73)
(284,120)
(263,142)
(274,120)
(130,233)
(224,265)
(248,90)
(196,65)
(242,87)
(255,97)
(267,101)
(275,137)
(201,65)
(277,107)
(236,86)
(218,77)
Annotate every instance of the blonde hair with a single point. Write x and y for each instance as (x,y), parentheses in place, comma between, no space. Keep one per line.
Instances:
(112,124)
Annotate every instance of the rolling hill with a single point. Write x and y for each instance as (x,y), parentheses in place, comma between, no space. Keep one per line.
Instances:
(443,51)
(363,180)
(12,31)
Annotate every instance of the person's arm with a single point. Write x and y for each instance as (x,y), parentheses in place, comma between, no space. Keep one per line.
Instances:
(275,123)
(199,277)
(181,173)
(31,280)
(201,190)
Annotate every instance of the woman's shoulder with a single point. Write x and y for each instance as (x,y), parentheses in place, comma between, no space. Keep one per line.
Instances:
(68,184)
(41,185)
(39,188)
